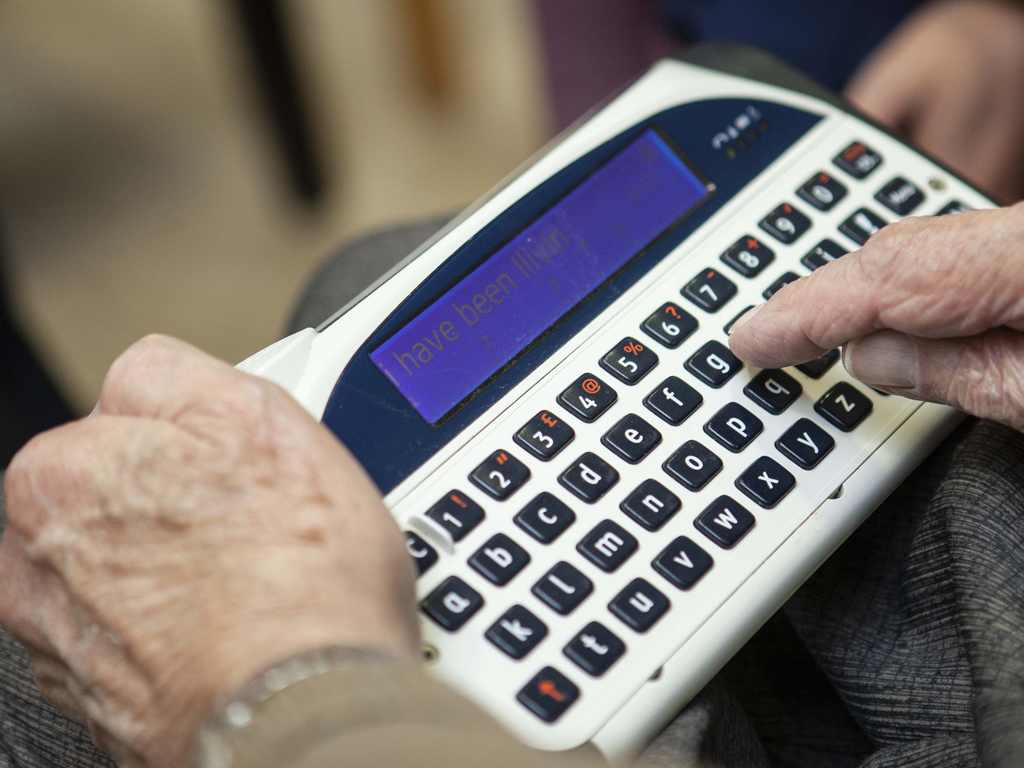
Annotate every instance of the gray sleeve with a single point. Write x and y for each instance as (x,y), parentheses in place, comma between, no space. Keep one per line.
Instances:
(379,715)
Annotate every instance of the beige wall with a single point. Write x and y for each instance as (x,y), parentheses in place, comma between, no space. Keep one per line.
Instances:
(141,192)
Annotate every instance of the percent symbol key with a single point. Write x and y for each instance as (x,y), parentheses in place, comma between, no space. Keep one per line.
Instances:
(629,361)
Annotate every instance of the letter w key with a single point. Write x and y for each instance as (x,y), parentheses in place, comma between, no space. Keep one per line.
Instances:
(724,522)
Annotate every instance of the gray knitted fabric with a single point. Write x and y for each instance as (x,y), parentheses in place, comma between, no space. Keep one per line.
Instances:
(905,649)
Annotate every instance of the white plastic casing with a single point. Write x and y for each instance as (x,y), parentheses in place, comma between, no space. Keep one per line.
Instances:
(623,710)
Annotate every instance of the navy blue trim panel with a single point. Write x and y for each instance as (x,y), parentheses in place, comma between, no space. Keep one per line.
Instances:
(389,438)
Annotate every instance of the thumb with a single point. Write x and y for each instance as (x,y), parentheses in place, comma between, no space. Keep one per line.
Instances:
(982,375)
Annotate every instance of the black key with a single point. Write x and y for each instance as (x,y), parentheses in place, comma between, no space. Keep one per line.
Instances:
(629,361)
(845,406)
(457,513)
(823,192)
(452,604)
(589,477)
(670,325)
(545,518)
(862,226)
(819,366)
(632,439)
(710,290)
(501,475)
(824,252)
(778,285)
(587,398)
(421,553)
(734,427)
(724,522)
(639,605)
(563,588)
(545,435)
(693,465)
(517,632)
(595,649)
(548,694)
(805,444)
(683,563)
(785,224)
(499,560)
(773,390)
(674,400)
(608,546)
(651,505)
(728,326)
(858,160)
(749,256)
(953,208)
(766,482)
(900,196)
(714,364)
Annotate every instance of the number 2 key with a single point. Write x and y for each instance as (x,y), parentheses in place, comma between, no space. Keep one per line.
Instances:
(501,475)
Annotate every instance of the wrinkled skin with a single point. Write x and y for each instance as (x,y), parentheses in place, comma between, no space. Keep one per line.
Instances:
(198,528)
(952,79)
(949,290)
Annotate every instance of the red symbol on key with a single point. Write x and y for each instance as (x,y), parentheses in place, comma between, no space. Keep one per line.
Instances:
(670,310)
(501,458)
(548,419)
(458,501)
(548,688)
(591,386)
(752,243)
(633,348)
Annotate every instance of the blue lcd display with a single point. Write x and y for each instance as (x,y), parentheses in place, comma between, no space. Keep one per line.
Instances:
(478,326)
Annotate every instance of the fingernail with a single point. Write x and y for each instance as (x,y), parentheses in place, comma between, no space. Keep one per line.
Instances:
(883,359)
(745,318)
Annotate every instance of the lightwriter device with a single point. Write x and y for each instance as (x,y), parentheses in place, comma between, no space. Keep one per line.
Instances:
(604,504)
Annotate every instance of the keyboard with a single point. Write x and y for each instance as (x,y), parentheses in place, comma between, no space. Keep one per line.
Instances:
(593,520)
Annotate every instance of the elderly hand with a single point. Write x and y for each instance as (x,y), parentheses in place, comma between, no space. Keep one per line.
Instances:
(930,309)
(198,528)
(952,79)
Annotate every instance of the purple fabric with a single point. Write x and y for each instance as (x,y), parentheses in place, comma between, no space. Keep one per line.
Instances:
(594,47)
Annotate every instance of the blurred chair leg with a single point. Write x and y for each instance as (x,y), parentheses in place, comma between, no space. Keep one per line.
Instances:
(265,28)
(429,39)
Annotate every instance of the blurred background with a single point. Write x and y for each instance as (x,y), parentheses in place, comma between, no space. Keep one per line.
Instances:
(182,165)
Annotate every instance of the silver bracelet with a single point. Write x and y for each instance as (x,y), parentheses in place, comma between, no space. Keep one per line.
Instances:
(238,711)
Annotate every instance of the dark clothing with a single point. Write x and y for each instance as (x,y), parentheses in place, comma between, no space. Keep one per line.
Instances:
(905,649)
(827,40)
(29,401)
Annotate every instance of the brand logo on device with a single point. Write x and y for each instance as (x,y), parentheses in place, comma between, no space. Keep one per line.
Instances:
(746,128)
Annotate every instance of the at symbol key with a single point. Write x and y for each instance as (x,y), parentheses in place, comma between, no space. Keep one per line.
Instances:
(588,397)
(629,361)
